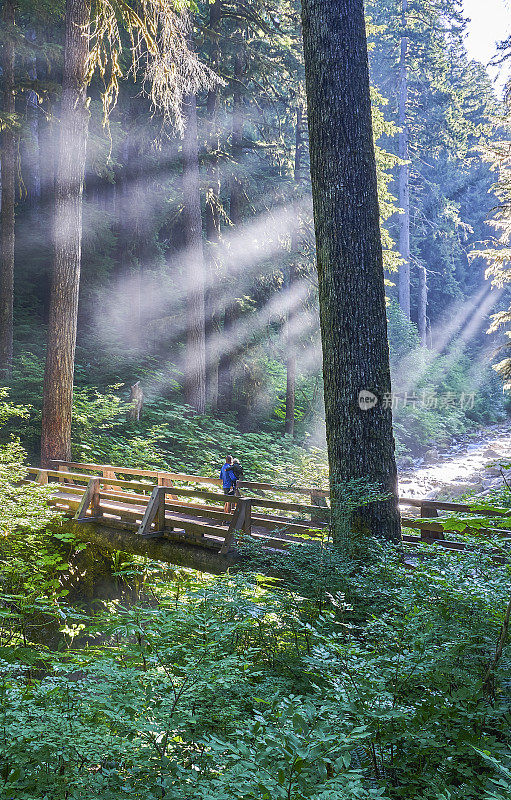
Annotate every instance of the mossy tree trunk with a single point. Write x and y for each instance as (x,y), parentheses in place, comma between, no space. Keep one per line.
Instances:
(62,324)
(349,260)
(7,218)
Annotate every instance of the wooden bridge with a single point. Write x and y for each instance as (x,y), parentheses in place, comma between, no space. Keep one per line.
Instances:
(181,519)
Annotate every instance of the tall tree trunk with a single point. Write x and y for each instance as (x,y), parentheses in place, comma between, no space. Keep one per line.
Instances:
(9,139)
(236,194)
(349,261)
(422,314)
(227,359)
(195,360)
(292,277)
(48,149)
(212,215)
(404,173)
(32,154)
(141,229)
(62,324)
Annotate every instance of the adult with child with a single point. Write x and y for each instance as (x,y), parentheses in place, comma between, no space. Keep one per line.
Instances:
(228,478)
(238,470)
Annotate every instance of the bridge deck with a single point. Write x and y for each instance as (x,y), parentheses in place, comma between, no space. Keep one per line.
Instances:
(180,524)
(182,510)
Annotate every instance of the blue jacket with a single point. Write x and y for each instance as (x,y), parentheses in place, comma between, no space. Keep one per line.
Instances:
(228,477)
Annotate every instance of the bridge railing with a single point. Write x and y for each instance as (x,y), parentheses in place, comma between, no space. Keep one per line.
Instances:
(267,497)
(155,522)
(89,499)
(427,507)
(319,496)
(316,494)
(267,512)
(123,503)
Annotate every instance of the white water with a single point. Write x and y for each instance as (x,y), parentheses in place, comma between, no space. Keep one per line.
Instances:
(465,467)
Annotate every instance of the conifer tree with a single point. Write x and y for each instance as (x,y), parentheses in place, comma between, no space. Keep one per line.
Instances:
(195,359)
(59,371)
(497,252)
(7,217)
(349,261)
(173,72)
(404,170)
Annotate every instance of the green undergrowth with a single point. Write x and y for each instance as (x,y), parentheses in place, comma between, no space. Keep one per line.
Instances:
(347,679)
(427,413)
(169,436)
(343,676)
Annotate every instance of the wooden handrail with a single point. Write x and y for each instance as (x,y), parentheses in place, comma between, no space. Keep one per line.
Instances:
(184,477)
(442,505)
(146,473)
(189,492)
(77,476)
(125,509)
(425,505)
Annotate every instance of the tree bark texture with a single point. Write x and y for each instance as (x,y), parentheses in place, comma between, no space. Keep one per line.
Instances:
(195,359)
(404,173)
(422,313)
(62,324)
(212,214)
(292,277)
(349,261)
(9,150)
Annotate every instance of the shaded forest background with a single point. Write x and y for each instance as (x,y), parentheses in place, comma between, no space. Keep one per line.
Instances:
(221,200)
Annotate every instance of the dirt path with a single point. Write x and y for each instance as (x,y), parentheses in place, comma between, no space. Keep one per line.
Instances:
(465,467)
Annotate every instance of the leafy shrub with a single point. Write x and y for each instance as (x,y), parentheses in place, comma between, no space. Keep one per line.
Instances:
(171,436)
(364,681)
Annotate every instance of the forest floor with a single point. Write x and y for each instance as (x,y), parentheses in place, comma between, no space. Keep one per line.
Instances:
(469,466)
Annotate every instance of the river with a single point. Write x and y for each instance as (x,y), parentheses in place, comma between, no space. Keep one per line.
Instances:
(467,466)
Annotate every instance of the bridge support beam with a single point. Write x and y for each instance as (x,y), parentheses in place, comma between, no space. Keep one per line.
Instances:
(160,549)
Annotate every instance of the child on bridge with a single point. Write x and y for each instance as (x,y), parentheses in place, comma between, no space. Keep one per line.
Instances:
(237,469)
(228,478)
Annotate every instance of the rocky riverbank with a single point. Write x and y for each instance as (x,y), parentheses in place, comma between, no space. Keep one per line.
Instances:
(471,465)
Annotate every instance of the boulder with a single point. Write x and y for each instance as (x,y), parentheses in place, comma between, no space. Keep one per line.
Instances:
(456,490)
(490,452)
(406,462)
(431,456)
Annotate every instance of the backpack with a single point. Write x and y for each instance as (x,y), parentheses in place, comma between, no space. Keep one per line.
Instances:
(238,471)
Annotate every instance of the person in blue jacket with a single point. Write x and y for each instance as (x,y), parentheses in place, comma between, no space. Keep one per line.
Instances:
(228,479)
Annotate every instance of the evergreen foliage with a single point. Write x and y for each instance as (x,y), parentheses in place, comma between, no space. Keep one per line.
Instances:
(360,672)
(497,252)
(351,679)
(132,319)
